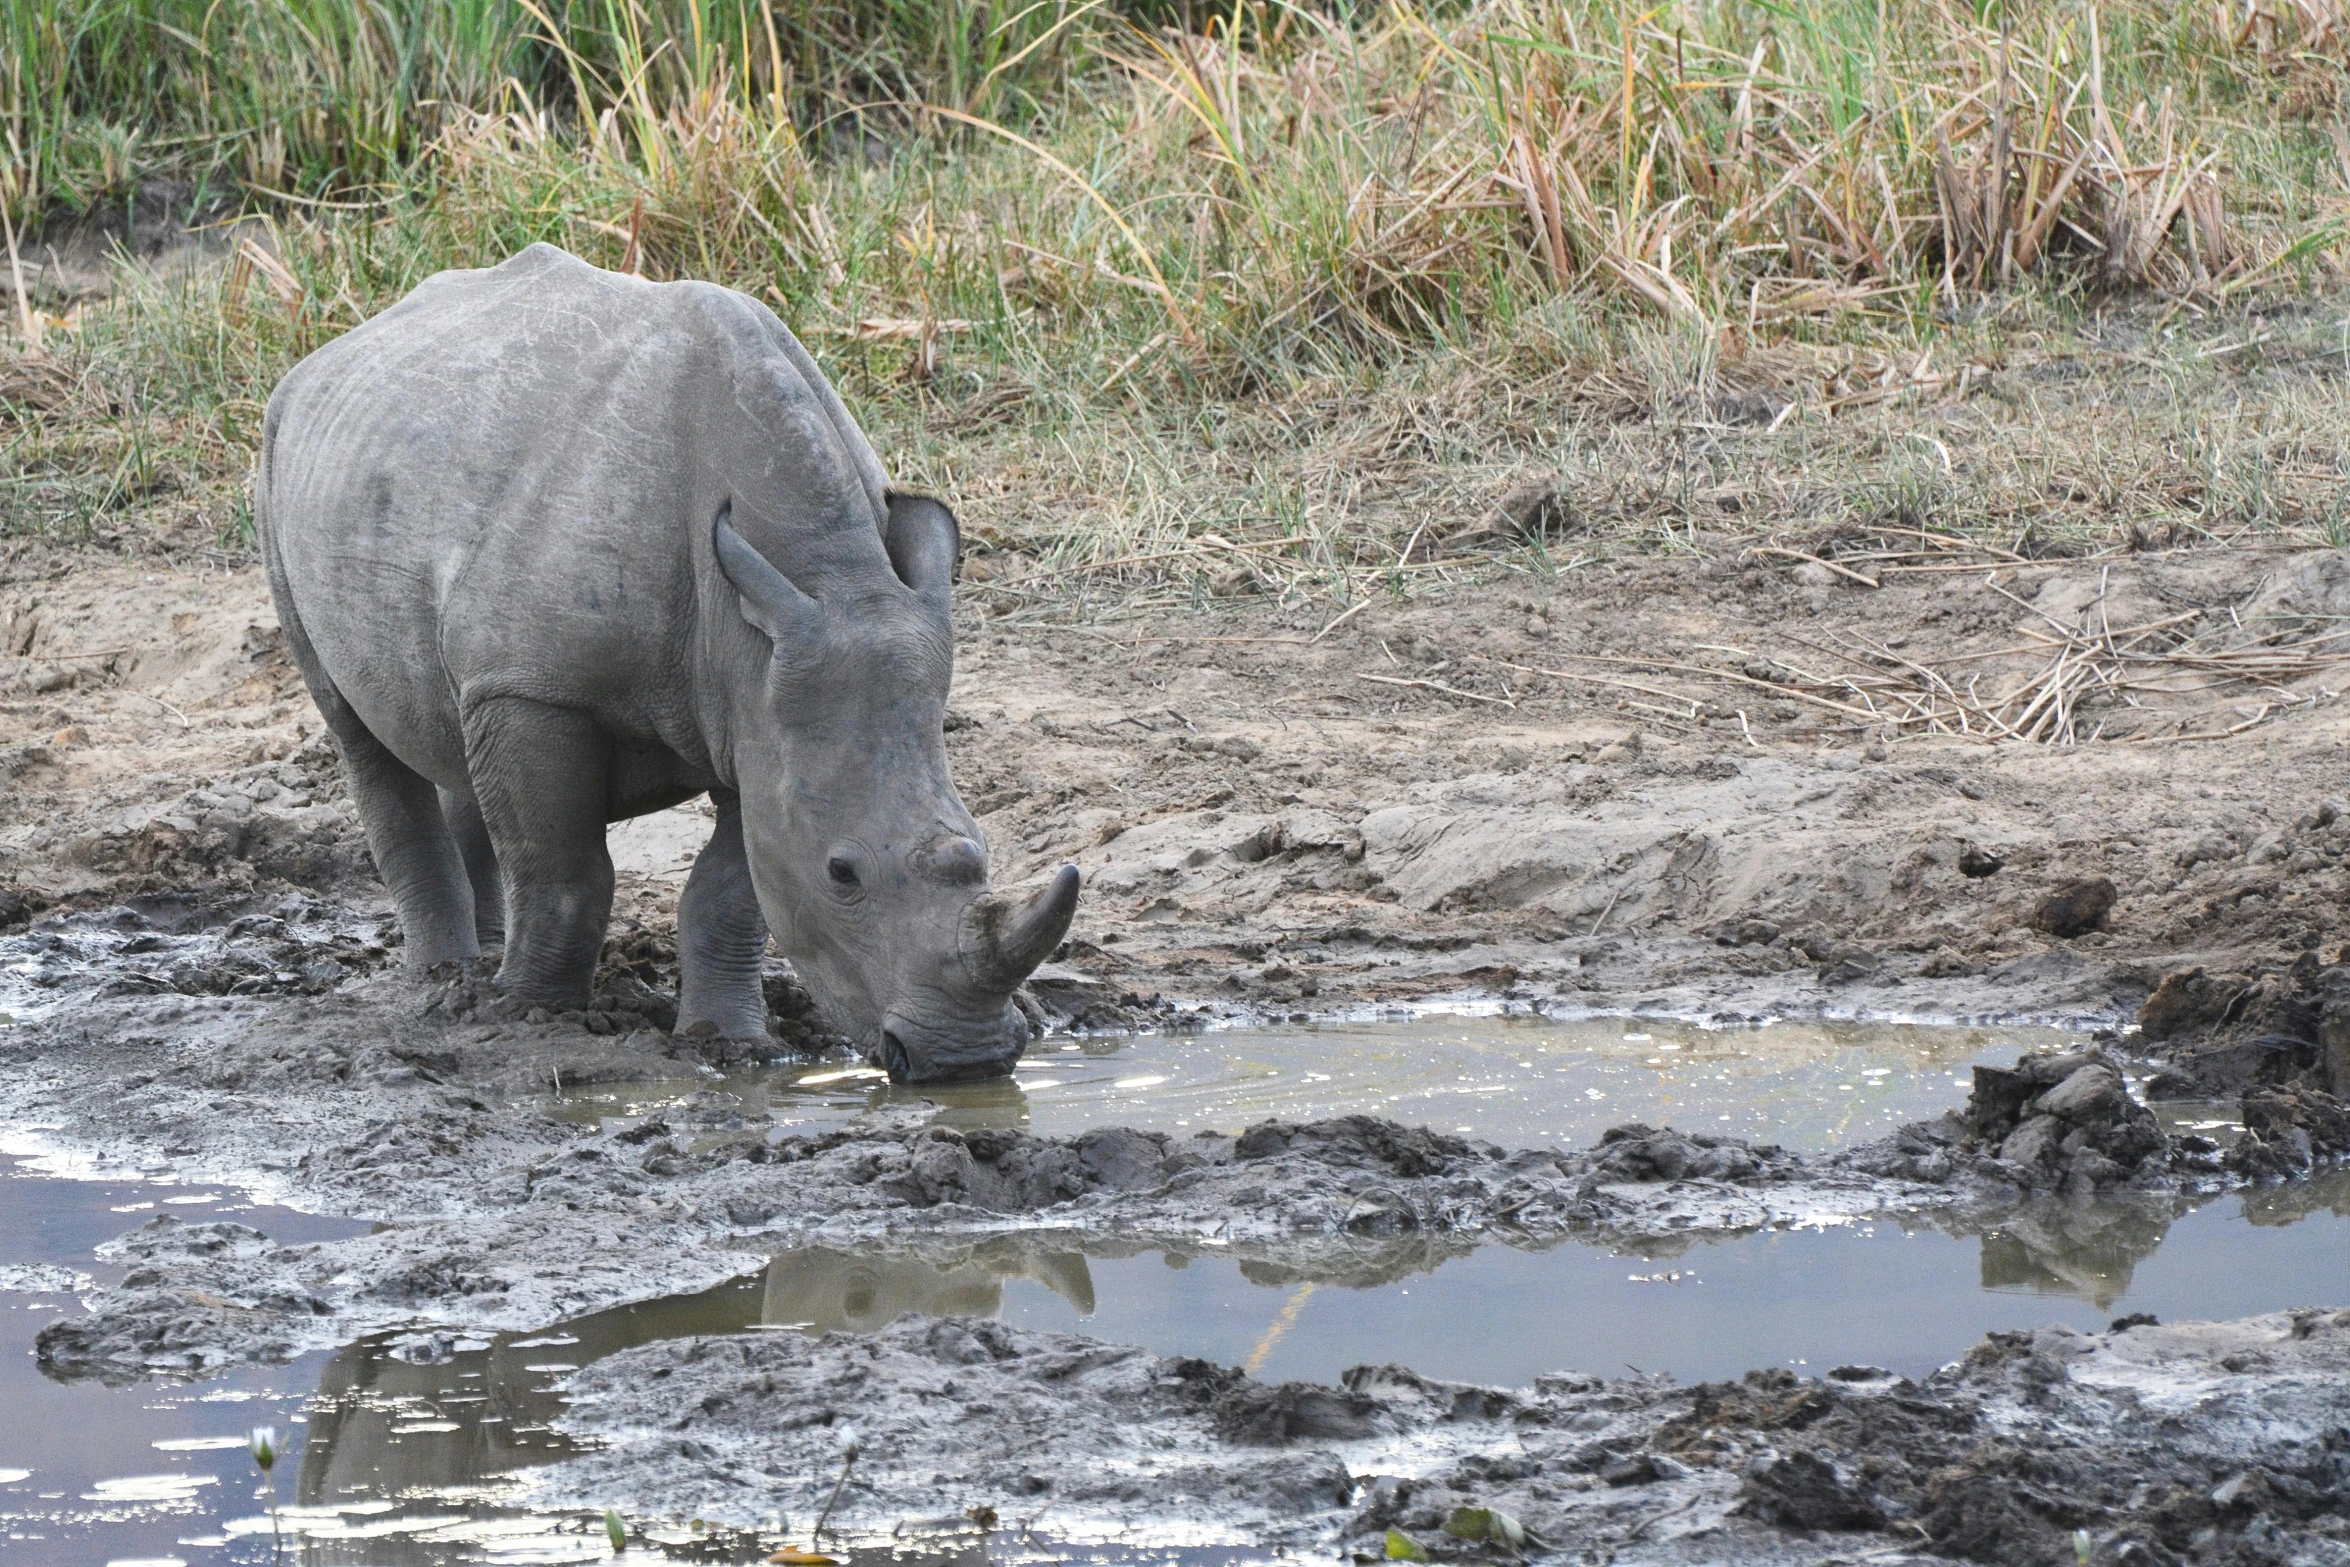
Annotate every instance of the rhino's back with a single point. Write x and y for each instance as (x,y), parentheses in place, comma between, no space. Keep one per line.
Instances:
(492,489)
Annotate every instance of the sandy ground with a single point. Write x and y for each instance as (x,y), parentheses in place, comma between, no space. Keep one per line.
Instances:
(1275,820)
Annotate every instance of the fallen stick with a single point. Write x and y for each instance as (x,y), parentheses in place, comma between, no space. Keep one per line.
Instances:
(1434,685)
(1673,696)
(1346,615)
(1950,568)
(2211,734)
(1955,541)
(1604,913)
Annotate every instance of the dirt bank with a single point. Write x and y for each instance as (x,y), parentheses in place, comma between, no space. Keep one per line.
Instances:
(1406,806)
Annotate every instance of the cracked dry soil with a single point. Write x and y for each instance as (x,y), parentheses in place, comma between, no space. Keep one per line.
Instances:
(208,981)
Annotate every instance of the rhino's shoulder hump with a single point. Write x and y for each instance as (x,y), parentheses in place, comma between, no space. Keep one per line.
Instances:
(537,271)
(539,256)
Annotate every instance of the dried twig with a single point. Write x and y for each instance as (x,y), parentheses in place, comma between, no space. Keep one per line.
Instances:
(1434,685)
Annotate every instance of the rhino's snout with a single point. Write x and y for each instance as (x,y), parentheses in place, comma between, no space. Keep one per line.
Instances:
(913,1053)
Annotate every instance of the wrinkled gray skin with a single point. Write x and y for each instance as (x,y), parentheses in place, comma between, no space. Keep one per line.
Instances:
(555,547)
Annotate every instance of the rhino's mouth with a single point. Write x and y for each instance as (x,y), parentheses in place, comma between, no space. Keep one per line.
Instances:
(905,1066)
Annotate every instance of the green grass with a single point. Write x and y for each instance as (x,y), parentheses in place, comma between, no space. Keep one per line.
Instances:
(1251,302)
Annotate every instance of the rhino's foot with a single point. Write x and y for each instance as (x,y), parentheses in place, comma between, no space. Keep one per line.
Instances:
(712,1042)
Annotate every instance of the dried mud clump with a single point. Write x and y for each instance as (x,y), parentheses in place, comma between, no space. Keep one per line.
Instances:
(162,1322)
(2288,1132)
(1642,1153)
(2220,1034)
(1803,1491)
(1361,1142)
(2075,908)
(2050,1123)
(2065,1122)
(1058,999)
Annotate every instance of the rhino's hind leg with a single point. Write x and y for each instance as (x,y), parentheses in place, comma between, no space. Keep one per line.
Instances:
(539,776)
(409,838)
(463,814)
(413,851)
(398,807)
(721,937)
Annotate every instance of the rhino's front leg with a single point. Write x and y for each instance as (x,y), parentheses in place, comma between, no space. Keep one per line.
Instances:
(721,937)
(540,776)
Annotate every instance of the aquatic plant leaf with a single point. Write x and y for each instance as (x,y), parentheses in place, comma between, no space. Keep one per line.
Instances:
(1489,1524)
(1401,1547)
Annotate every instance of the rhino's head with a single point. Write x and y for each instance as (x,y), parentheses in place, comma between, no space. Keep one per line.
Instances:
(871,874)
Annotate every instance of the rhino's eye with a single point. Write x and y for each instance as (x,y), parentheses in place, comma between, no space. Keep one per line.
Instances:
(844,871)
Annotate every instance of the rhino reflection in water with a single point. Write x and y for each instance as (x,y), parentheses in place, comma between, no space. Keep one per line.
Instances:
(827,1291)
(386,1426)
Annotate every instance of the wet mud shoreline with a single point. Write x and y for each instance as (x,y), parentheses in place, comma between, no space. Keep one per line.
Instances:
(202,979)
(2200,1442)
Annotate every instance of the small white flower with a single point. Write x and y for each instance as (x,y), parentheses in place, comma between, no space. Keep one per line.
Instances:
(265,1447)
(847,1439)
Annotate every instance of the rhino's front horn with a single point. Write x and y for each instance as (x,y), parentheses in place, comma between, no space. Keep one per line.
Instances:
(1004,946)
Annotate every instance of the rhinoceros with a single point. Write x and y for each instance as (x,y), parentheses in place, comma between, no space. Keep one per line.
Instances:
(555,547)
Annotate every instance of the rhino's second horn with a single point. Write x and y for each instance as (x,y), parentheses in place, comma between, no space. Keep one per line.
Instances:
(1004,947)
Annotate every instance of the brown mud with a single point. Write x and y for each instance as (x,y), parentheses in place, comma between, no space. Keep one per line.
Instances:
(1272,821)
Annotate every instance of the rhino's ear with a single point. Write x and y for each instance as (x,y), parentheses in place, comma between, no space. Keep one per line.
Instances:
(924,542)
(769,601)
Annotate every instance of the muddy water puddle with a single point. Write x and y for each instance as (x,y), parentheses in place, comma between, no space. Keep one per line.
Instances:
(1521,1079)
(90,1473)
